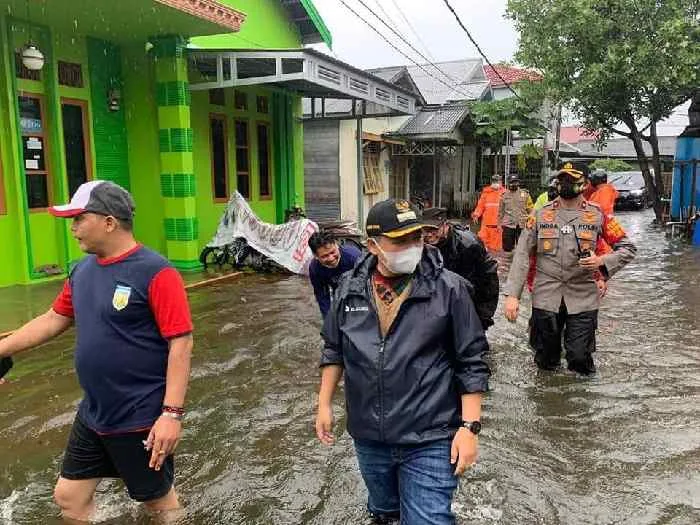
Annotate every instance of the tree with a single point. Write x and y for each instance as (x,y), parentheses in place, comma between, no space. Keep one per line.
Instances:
(611,165)
(617,63)
(496,119)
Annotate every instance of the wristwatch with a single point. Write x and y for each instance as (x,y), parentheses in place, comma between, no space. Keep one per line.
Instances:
(472,426)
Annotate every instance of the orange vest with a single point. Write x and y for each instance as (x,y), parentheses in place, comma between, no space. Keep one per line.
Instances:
(487,207)
(604,197)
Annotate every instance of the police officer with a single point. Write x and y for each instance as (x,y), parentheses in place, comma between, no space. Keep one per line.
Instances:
(516,205)
(563,236)
(464,254)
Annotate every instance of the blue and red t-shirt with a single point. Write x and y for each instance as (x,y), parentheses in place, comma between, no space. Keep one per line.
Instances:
(126,309)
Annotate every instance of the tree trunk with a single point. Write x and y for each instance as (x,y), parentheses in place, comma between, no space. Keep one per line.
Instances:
(652,188)
(658,179)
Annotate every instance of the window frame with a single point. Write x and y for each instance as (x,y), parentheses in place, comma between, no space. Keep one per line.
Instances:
(268,196)
(87,134)
(46,172)
(247,152)
(224,119)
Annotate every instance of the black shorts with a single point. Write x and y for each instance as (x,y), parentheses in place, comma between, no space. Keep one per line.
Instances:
(90,456)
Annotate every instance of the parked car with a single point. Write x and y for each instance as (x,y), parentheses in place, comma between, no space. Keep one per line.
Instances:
(631,188)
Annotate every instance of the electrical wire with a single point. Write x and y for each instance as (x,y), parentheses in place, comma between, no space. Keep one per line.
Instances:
(410,26)
(448,77)
(483,55)
(358,15)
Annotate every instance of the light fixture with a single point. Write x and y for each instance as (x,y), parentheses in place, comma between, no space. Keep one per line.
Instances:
(114,97)
(32,58)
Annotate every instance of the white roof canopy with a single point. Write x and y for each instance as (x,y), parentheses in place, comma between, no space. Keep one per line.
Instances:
(305,71)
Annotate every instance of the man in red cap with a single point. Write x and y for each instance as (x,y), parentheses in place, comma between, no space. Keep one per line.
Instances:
(132,356)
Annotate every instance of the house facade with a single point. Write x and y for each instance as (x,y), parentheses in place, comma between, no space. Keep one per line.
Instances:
(431,156)
(180,102)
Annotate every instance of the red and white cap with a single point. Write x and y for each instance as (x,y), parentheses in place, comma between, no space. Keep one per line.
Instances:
(101,197)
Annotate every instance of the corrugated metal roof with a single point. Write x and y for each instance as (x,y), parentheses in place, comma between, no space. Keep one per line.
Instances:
(469,74)
(439,120)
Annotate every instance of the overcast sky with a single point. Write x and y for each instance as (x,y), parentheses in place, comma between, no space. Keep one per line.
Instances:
(357,44)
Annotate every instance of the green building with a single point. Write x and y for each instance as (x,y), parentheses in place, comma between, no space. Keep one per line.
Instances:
(180,101)
(113,101)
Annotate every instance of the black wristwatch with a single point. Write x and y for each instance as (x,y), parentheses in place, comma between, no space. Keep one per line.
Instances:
(472,426)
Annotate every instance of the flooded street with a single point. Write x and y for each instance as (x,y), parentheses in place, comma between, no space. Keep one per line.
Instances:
(621,448)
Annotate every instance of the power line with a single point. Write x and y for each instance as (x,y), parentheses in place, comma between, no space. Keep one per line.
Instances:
(457,82)
(393,46)
(410,26)
(459,21)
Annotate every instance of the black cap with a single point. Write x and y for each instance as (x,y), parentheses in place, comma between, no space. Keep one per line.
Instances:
(98,196)
(393,218)
(434,216)
(568,171)
(513,179)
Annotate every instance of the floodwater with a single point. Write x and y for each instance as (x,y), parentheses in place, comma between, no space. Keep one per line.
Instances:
(621,448)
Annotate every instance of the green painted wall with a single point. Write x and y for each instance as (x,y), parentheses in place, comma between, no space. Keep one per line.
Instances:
(141,114)
(266,26)
(209,211)
(13,269)
(109,127)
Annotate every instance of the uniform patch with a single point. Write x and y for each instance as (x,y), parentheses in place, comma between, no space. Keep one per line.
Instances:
(548,216)
(120,299)
(613,230)
(589,217)
(586,235)
(547,245)
(406,216)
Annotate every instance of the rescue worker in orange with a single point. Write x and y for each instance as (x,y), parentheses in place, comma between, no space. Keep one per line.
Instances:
(605,193)
(486,211)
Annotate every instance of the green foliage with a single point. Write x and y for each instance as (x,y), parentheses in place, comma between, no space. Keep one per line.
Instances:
(612,59)
(494,118)
(532,151)
(613,62)
(611,165)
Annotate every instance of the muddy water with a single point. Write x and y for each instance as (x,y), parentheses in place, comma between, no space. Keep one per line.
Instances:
(622,448)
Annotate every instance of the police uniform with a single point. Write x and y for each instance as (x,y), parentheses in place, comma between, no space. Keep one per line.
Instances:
(565,298)
(514,210)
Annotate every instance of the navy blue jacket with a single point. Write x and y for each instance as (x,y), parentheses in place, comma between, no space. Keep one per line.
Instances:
(325,280)
(405,388)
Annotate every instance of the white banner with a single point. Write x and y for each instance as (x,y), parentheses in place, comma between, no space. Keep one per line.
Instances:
(286,244)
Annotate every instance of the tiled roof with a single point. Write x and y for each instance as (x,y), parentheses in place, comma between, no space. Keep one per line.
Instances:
(510,74)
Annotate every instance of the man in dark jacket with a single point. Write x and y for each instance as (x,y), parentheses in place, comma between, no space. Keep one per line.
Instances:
(404,332)
(464,254)
(330,262)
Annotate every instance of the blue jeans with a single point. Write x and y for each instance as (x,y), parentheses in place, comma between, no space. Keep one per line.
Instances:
(415,483)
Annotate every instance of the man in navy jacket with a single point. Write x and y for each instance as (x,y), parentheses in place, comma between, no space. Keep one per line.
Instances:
(331,261)
(404,333)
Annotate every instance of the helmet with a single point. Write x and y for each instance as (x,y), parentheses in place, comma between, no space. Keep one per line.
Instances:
(598,177)
(513,179)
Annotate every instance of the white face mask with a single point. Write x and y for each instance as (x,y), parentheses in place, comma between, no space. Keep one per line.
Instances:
(495,185)
(403,262)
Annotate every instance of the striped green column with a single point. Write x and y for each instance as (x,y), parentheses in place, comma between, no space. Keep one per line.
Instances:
(177,181)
